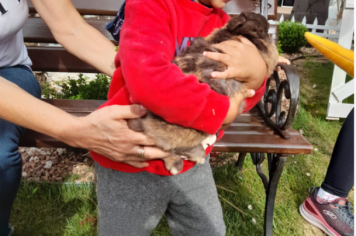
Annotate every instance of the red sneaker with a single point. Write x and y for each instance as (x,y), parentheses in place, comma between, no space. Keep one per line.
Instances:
(334,218)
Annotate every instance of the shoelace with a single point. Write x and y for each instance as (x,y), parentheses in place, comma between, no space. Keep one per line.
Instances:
(347,210)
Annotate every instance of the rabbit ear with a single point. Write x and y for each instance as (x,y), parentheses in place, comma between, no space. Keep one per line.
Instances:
(236,22)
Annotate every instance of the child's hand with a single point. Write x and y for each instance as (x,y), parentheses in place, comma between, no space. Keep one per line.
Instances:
(235,104)
(244,62)
(282,60)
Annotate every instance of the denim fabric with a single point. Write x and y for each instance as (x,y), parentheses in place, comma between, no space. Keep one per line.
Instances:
(10,158)
(114,27)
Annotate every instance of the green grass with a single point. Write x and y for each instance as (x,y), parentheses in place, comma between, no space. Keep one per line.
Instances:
(52,209)
(42,209)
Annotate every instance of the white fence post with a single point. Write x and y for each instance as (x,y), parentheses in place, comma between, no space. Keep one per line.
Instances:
(304,21)
(315,23)
(282,18)
(339,90)
(326,24)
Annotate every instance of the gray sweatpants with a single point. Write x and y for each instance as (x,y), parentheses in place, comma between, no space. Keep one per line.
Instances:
(132,204)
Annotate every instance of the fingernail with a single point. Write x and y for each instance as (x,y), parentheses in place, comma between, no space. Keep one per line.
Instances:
(142,109)
(252,92)
(204,53)
(213,75)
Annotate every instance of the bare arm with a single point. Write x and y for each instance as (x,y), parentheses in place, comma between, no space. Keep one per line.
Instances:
(104,131)
(235,103)
(75,35)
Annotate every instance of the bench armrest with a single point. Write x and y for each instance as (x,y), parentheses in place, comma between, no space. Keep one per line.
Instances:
(270,106)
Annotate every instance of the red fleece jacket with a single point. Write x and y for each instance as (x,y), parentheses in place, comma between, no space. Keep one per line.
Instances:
(154,32)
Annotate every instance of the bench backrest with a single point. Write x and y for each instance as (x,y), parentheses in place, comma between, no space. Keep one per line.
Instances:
(55,59)
(92,7)
(110,7)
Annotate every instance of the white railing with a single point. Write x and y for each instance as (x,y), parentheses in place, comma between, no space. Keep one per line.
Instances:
(330,32)
(339,88)
(343,35)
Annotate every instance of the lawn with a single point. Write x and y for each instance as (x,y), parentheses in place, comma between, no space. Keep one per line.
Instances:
(55,209)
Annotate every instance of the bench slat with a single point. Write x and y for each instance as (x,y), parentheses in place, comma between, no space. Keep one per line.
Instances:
(92,7)
(35,30)
(248,141)
(34,139)
(248,133)
(263,143)
(68,105)
(236,142)
(256,130)
(57,59)
(111,7)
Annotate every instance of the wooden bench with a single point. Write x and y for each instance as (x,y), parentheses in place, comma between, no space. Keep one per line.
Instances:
(255,132)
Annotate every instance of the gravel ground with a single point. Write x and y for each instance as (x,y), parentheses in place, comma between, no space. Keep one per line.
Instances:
(56,165)
(61,165)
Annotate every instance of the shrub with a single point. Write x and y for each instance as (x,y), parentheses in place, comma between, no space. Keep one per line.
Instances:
(81,89)
(291,36)
(279,47)
(47,90)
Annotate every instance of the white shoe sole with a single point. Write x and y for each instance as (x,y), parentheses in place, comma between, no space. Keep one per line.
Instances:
(316,222)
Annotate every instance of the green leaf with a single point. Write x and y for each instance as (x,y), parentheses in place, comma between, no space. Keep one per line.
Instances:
(80,88)
(34,190)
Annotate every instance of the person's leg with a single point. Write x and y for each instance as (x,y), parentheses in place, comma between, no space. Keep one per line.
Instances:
(327,207)
(194,208)
(339,178)
(10,159)
(130,204)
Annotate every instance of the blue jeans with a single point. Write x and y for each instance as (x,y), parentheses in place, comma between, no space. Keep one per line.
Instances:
(10,134)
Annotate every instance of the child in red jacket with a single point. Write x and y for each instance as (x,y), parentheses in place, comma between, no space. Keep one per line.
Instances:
(131,201)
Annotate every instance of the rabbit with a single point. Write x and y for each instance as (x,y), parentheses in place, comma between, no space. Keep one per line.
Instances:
(188,143)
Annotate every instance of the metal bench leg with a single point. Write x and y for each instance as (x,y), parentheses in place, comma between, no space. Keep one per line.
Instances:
(240,162)
(275,166)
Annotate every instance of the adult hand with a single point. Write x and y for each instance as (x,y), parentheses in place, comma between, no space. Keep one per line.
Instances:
(244,62)
(105,131)
(235,106)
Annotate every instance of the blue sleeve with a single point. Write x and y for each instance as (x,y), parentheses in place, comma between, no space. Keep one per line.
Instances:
(114,27)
